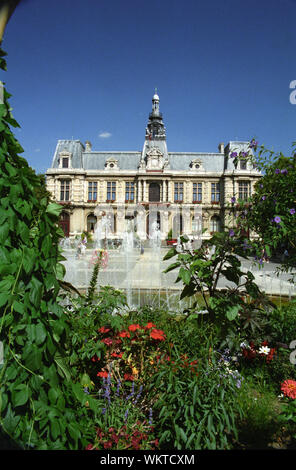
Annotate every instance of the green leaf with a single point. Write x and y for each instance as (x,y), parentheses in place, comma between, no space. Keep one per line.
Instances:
(172,266)
(55,428)
(185,275)
(74,431)
(4,230)
(54,209)
(232,312)
(36,291)
(172,252)
(20,395)
(40,333)
(53,395)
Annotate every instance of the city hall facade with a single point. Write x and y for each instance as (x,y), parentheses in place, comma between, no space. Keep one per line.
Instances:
(184,192)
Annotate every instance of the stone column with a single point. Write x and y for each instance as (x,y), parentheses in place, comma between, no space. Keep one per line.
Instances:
(164,191)
(139,195)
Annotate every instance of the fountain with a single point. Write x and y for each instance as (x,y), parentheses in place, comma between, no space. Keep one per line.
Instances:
(102,231)
(137,267)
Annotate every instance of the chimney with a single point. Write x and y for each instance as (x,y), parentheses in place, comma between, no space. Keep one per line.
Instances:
(88,146)
(221,147)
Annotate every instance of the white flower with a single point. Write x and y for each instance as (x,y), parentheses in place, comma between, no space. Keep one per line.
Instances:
(264,350)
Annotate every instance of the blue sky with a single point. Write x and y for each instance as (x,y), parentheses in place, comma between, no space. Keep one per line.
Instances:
(87,69)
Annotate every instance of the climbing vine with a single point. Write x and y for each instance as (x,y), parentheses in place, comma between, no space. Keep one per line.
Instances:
(41,406)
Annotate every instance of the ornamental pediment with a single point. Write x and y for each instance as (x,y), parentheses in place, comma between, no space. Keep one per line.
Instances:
(111,164)
(196,164)
(154,159)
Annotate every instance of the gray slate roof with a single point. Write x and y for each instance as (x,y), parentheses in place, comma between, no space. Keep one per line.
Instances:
(179,161)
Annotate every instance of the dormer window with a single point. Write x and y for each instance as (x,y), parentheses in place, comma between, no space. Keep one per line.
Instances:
(111,164)
(243,164)
(195,164)
(65,159)
(65,162)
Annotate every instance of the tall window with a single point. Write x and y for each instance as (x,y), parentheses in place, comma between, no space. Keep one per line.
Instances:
(92,191)
(65,190)
(178,192)
(215,192)
(111,191)
(197,192)
(129,191)
(243,190)
(215,224)
(65,162)
(154,192)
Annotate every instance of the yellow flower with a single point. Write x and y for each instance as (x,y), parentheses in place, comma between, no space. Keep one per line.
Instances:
(135,371)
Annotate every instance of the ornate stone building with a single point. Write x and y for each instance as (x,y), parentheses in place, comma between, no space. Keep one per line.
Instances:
(181,191)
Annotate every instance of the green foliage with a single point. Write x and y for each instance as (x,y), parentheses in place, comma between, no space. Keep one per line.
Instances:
(200,272)
(281,326)
(38,406)
(123,421)
(195,410)
(85,318)
(259,418)
(271,211)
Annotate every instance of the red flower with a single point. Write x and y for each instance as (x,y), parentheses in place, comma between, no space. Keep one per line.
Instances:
(124,334)
(103,329)
(102,374)
(149,325)
(270,355)
(288,387)
(107,341)
(89,447)
(117,355)
(108,445)
(129,377)
(134,327)
(157,334)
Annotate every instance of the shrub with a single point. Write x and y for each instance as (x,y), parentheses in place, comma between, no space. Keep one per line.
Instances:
(196,404)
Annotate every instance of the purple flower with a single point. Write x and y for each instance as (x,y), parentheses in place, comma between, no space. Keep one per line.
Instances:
(125,415)
(277,219)
(118,388)
(231,233)
(292,211)
(284,171)
(263,198)
(150,416)
(233,154)
(244,154)
(233,200)
(253,143)
(277,171)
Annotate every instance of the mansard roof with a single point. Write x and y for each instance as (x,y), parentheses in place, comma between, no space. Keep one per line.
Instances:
(130,160)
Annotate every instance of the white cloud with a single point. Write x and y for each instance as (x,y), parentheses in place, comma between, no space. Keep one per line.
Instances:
(105,135)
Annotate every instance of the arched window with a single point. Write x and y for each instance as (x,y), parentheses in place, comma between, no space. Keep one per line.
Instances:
(64,223)
(91,222)
(154,192)
(196,224)
(215,223)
